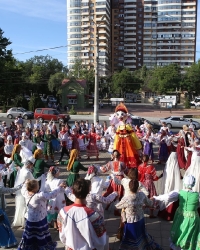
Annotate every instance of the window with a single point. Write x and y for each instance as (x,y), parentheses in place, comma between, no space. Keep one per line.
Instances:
(46,111)
(37,111)
(72,101)
(149,94)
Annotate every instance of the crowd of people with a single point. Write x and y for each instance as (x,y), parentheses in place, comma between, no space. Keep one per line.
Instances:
(75,206)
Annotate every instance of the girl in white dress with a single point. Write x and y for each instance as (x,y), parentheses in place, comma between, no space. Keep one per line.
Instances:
(23,174)
(57,203)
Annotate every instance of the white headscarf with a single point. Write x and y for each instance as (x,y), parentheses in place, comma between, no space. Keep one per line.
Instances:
(189,181)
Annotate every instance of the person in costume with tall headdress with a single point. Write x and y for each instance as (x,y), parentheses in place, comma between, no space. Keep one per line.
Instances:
(126,141)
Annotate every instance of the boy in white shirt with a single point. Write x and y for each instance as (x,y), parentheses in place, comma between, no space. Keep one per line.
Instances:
(81,227)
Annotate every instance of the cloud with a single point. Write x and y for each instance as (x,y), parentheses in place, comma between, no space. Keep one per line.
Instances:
(54,10)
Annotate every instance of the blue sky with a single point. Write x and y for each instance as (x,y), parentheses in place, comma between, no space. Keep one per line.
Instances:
(39,24)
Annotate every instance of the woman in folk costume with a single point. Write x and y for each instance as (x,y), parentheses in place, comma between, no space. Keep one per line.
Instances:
(17,134)
(194,170)
(135,235)
(147,176)
(117,169)
(171,183)
(74,166)
(7,239)
(126,141)
(163,152)
(148,143)
(185,232)
(17,160)
(183,141)
(74,138)
(20,206)
(98,184)
(48,146)
(57,203)
(37,140)
(36,233)
(40,164)
(92,149)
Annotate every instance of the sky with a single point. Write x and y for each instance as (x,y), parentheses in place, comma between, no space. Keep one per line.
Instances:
(40,24)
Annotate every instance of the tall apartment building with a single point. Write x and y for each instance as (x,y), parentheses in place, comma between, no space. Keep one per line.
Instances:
(87,21)
(153,32)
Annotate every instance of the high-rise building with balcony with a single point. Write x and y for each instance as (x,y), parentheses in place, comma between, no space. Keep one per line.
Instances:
(153,32)
(88,23)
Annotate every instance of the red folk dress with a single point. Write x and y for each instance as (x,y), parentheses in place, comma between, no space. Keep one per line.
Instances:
(147,175)
(92,149)
(117,168)
(180,152)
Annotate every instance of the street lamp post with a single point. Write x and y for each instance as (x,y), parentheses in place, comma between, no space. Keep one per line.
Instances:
(96,82)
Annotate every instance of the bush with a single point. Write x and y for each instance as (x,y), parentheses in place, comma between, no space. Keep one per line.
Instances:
(20,101)
(187,103)
(4,108)
(72,111)
(36,102)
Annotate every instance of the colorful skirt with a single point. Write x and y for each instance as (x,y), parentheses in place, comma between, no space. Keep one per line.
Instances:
(7,238)
(36,236)
(136,238)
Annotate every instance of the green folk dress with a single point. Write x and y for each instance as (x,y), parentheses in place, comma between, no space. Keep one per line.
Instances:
(39,168)
(17,160)
(186,225)
(48,146)
(74,172)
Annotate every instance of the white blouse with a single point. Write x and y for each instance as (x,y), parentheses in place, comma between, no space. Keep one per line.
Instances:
(133,205)
(37,207)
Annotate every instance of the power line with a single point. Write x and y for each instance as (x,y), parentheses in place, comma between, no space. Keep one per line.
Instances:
(31,51)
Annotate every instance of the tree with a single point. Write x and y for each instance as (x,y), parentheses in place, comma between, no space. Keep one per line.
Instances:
(35,102)
(55,82)
(79,71)
(20,101)
(10,72)
(125,81)
(37,71)
(165,79)
(191,80)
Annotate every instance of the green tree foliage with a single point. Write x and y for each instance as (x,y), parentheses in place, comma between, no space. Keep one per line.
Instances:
(38,70)
(191,80)
(55,82)
(35,102)
(79,71)
(10,73)
(20,101)
(187,103)
(125,81)
(165,79)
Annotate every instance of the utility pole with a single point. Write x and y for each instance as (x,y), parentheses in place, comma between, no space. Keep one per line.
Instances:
(96,83)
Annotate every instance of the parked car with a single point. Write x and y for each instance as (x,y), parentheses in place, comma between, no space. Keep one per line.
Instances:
(52,99)
(27,97)
(47,114)
(16,111)
(140,121)
(178,122)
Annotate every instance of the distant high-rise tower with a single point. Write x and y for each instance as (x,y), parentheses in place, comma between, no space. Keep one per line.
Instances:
(87,20)
(153,32)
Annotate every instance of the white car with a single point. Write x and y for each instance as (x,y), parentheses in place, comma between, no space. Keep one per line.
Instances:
(178,122)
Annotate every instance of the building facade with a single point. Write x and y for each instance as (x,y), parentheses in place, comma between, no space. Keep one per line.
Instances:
(153,32)
(132,33)
(88,23)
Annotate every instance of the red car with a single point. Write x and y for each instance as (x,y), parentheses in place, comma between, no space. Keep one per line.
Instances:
(47,114)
